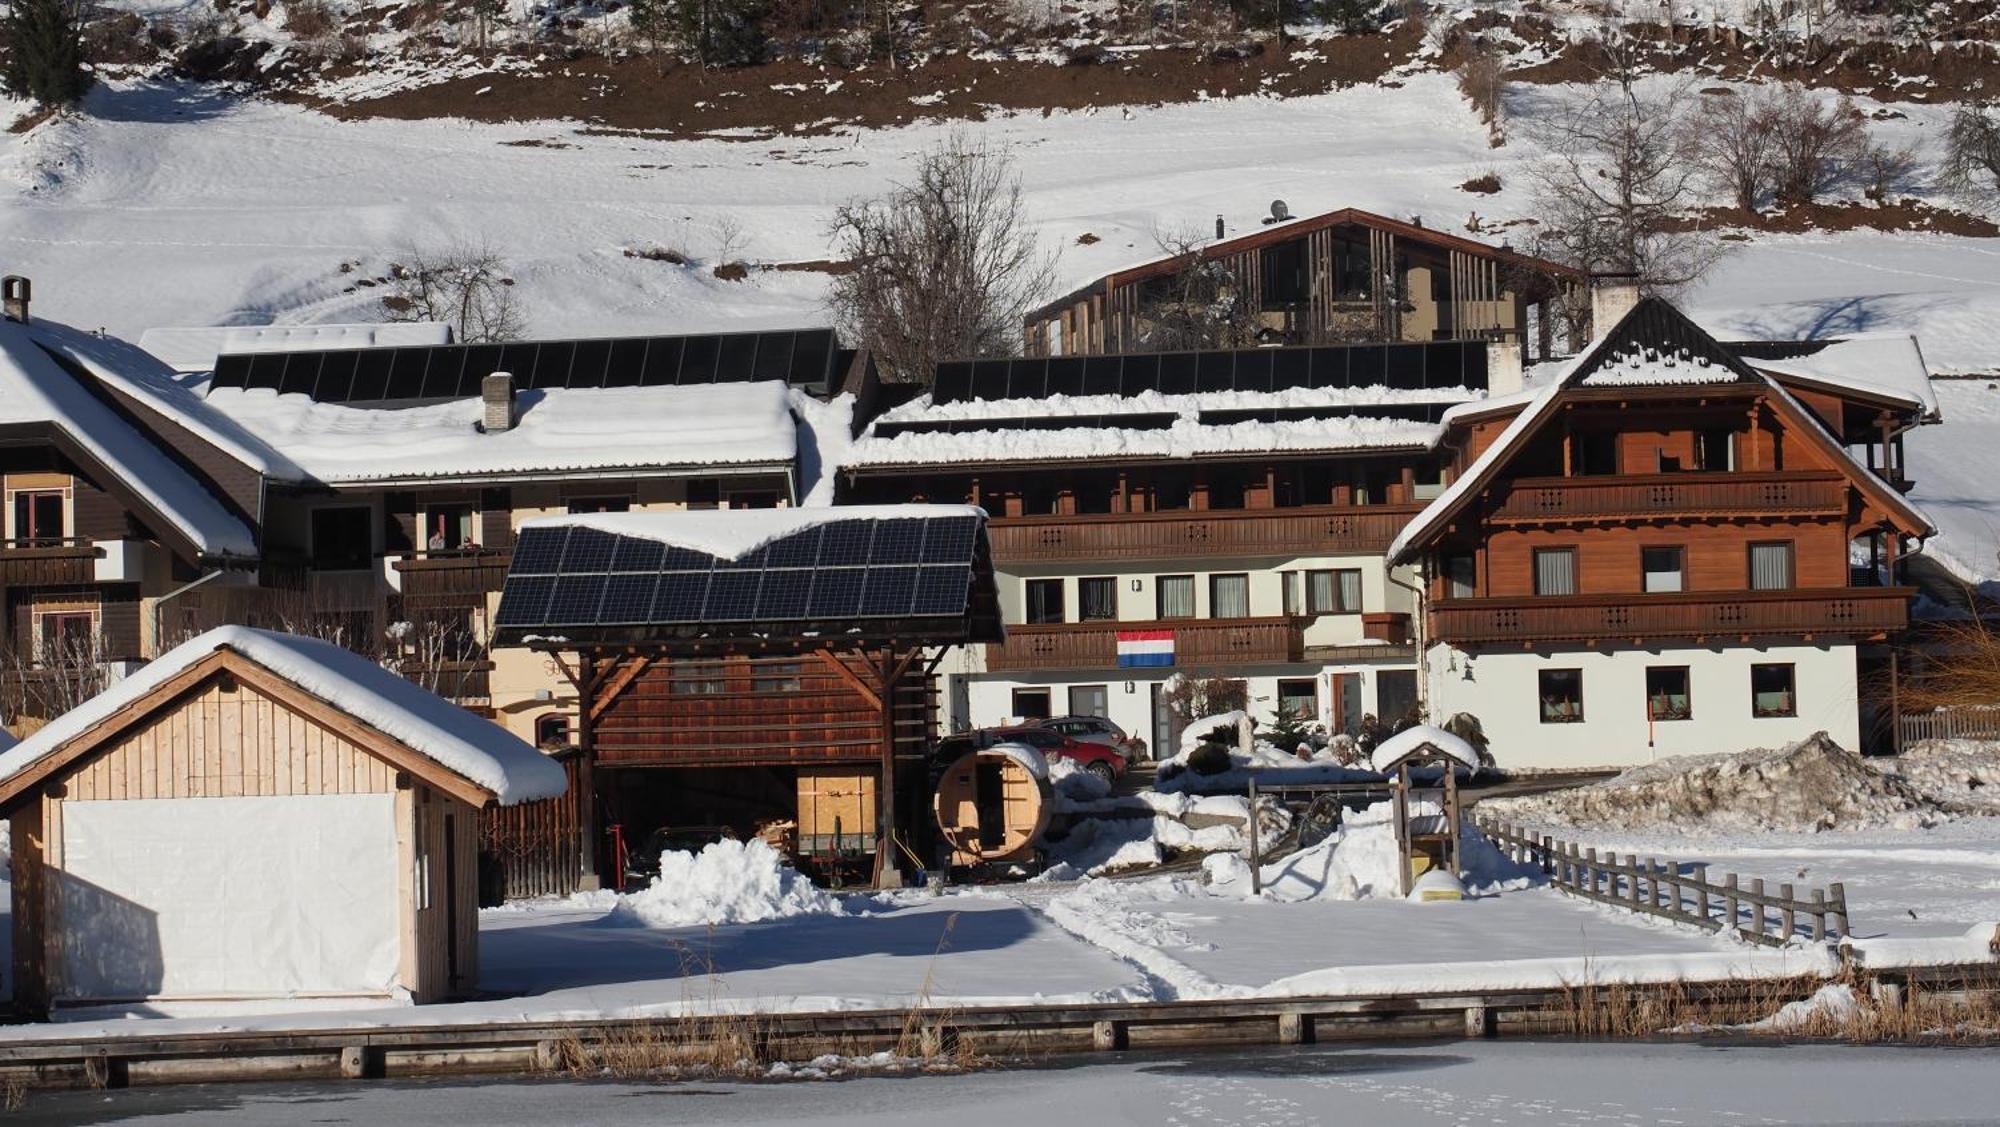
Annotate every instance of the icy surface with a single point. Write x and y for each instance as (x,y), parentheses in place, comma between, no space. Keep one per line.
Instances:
(468,745)
(728,882)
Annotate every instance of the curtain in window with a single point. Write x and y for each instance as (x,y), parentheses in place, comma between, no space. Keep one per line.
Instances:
(1045,602)
(1098,598)
(1350,591)
(1555,571)
(1460,575)
(1229,597)
(1770,567)
(1177,596)
(1322,592)
(1294,591)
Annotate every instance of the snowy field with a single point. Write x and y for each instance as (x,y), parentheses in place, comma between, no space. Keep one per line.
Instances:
(1489,1083)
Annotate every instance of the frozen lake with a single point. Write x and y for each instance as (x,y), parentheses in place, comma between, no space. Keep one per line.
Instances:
(1496,1084)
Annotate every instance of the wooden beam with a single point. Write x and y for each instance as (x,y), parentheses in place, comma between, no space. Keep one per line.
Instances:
(841,670)
(609,691)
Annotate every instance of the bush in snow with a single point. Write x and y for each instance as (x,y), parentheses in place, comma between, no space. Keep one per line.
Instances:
(728,882)
(1467,727)
(468,288)
(1209,759)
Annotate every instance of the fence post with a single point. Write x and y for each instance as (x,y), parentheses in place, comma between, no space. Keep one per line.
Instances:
(1590,870)
(1548,855)
(1700,891)
(1673,886)
(1819,915)
(1786,922)
(1837,893)
(1632,871)
(1757,907)
(1729,904)
(1256,866)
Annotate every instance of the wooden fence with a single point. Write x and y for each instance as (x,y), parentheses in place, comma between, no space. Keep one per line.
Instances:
(537,847)
(1679,891)
(1969,722)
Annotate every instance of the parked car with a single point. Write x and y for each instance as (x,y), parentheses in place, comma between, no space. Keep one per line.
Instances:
(1102,760)
(1098,730)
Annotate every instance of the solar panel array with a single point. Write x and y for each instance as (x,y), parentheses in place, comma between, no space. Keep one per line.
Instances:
(1419,365)
(573,578)
(804,358)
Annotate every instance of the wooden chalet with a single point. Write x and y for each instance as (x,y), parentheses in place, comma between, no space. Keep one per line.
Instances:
(736,672)
(1346,275)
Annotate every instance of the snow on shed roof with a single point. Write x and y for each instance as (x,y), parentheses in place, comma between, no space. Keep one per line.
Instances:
(1404,743)
(558,430)
(1889,364)
(34,388)
(476,749)
(194,349)
(729,534)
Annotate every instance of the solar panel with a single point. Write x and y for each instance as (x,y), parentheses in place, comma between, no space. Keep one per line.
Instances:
(524,600)
(942,590)
(736,358)
(845,544)
(406,372)
(336,377)
(371,374)
(628,599)
(575,598)
(686,559)
(732,596)
(897,542)
(836,593)
(887,592)
(538,551)
(587,550)
(949,539)
(1065,377)
(636,553)
(800,549)
(698,358)
(785,595)
(301,374)
(680,596)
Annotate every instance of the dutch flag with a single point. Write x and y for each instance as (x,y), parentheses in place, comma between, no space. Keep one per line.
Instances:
(1140,648)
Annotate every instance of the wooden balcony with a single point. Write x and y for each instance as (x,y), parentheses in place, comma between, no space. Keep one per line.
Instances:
(467,683)
(1652,496)
(37,563)
(1309,530)
(1833,612)
(452,578)
(1197,643)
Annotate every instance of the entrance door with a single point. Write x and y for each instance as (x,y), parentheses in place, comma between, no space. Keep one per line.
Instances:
(1395,694)
(1166,725)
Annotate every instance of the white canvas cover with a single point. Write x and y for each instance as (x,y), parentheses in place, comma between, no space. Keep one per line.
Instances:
(215,897)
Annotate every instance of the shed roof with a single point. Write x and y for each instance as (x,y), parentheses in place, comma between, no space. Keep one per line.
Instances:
(473,749)
(1415,740)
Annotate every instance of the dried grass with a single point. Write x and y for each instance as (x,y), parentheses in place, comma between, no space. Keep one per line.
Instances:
(1963,1013)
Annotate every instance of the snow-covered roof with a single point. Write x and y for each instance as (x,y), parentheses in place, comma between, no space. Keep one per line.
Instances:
(1191,405)
(1185,438)
(729,534)
(1640,366)
(194,349)
(474,748)
(558,430)
(1888,364)
(1955,466)
(34,388)
(1406,742)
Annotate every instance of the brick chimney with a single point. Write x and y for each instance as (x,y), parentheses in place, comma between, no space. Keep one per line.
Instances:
(496,392)
(1503,366)
(14,293)
(1612,296)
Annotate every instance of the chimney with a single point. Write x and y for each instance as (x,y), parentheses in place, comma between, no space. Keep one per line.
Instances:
(496,392)
(1612,296)
(1503,366)
(1218,224)
(14,293)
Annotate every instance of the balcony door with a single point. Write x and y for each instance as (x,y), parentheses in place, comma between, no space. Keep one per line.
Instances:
(39,518)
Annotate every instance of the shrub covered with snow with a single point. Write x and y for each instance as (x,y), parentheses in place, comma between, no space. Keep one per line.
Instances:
(1806,787)
(728,882)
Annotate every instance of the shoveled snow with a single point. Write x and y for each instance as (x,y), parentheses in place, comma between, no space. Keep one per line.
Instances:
(728,882)
(729,534)
(1396,747)
(473,747)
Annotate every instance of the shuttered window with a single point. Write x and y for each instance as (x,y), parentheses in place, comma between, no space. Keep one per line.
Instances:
(1229,596)
(1555,571)
(1771,566)
(1176,594)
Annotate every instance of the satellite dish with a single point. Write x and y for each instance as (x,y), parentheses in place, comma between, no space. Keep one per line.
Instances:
(1279,212)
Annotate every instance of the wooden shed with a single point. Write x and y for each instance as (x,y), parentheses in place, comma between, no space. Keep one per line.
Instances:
(254,816)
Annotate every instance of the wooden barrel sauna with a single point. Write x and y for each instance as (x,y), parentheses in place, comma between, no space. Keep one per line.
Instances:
(993,804)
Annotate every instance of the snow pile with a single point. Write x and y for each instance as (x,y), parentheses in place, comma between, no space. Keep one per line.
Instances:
(1271,764)
(1832,1004)
(1805,787)
(1360,863)
(1222,728)
(1075,784)
(728,882)
(1962,774)
(1416,736)
(833,1066)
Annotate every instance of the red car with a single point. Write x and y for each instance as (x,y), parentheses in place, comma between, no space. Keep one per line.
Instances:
(1105,762)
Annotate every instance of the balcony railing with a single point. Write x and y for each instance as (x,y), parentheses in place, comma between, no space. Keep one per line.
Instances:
(1692,495)
(453,578)
(468,683)
(1695,615)
(1316,529)
(1197,642)
(47,561)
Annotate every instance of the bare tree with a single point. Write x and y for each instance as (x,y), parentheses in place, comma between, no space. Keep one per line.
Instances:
(48,676)
(1814,144)
(468,289)
(1972,150)
(1735,145)
(1482,78)
(1201,305)
(944,265)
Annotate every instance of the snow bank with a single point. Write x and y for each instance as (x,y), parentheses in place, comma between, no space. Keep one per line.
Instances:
(1071,781)
(728,882)
(1959,773)
(1806,787)
(1222,728)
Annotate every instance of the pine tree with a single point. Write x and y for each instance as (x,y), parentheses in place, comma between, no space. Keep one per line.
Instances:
(1289,728)
(45,53)
(652,21)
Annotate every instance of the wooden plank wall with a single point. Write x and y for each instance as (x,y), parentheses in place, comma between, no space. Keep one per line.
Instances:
(225,743)
(537,844)
(1716,557)
(445,908)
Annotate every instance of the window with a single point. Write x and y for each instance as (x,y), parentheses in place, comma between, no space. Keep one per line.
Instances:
(342,538)
(1667,693)
(1461,577)
(1771,691)
(754,499)
(38,518)
(1097,599)
(1555,571)
(703,494)
(1229,596)
(1045,600)
(1176,596)
(1031,704)
(1429,483)
(1661,570)
(449,528)
(698,678)
(1596,453)
(600,504)
(1562,695)
(68,637)
(1089,700)
(1715,450)
(1322,592)
(774,676)
(552,730)
(1771,566)
(1298,698)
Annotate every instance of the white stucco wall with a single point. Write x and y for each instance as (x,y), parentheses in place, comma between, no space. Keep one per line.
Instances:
(1503,692)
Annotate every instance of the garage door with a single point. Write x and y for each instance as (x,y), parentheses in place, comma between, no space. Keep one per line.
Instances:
(208,897)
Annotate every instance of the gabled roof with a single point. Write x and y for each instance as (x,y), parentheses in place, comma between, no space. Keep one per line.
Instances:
(36,391)
(446,745)
(1880,365)
(1654,345)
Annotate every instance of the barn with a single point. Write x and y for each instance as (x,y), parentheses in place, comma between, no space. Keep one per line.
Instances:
(254,816)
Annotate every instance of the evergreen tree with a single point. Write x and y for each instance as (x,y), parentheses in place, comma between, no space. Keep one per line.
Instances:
(1289,729)
(45,53)
(652,21)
